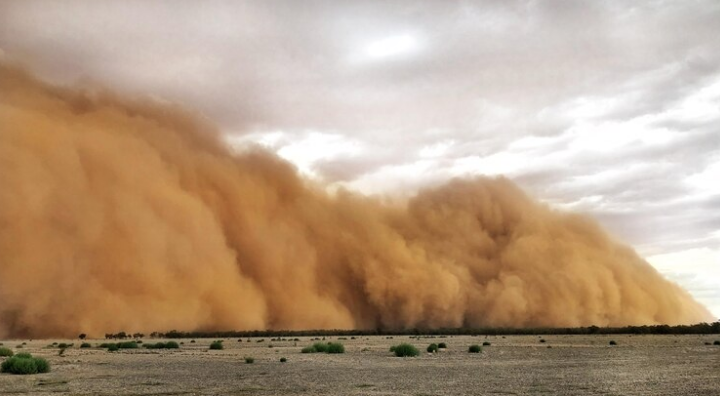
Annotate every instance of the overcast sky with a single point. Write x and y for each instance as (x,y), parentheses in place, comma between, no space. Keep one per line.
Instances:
(610,108)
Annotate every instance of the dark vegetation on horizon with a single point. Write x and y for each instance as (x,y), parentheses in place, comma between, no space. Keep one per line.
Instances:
(700,328)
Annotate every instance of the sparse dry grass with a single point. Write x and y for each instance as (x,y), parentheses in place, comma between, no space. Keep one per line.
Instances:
(576,365)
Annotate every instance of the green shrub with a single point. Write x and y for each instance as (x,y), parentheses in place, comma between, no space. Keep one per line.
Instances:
(613,342)
(432,348)
(249,360)
(42,365)
(283,360)
(320,347)
(475,349)
(112,347)
(404,350)
(85,345)
(6,352)
(486,343)
(25,364)
(442,345)
(163,345)
(15,365)
(127,345)
(335,347)
(392,348)
(64,345)
(216,345)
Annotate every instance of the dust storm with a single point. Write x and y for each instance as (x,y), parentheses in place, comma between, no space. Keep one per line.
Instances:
(125,214)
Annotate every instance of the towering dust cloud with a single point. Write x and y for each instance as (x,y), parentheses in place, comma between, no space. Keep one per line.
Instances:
(122,215)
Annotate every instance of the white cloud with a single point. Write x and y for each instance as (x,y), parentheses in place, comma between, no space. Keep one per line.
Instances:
(392,46)
(697,270)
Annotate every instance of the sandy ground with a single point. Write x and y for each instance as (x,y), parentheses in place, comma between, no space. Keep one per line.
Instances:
(512,365)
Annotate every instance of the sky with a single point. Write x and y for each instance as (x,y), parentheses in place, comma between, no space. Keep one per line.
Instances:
(610,108)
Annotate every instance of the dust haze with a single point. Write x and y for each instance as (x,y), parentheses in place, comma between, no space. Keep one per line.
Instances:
(126,214)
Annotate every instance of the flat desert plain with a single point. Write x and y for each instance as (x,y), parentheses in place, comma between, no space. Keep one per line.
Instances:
(511,365)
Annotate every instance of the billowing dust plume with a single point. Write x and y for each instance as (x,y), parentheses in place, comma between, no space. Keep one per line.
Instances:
(126,215)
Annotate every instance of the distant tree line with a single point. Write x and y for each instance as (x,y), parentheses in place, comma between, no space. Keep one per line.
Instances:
(700,328)
(119,336)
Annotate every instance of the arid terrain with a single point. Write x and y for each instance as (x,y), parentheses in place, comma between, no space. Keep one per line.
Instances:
(511,365)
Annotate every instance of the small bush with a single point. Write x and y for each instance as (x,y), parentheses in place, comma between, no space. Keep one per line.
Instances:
(442,345)
(432,348)
(192,341)
(486,343)
(542,341)
(716,343)
(249,360)
(335,347)
(320,347)
(613,342)
(6,352)
(216,345)
(24,364)
(127,345)
(85,345)
(162,345)
(16,365)
(474,349)
(113,347)
(42,365)
(405,350)
(392,348)
(64,345)
(283,360)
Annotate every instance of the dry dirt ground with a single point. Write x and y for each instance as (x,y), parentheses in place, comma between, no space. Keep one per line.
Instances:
(512,365)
